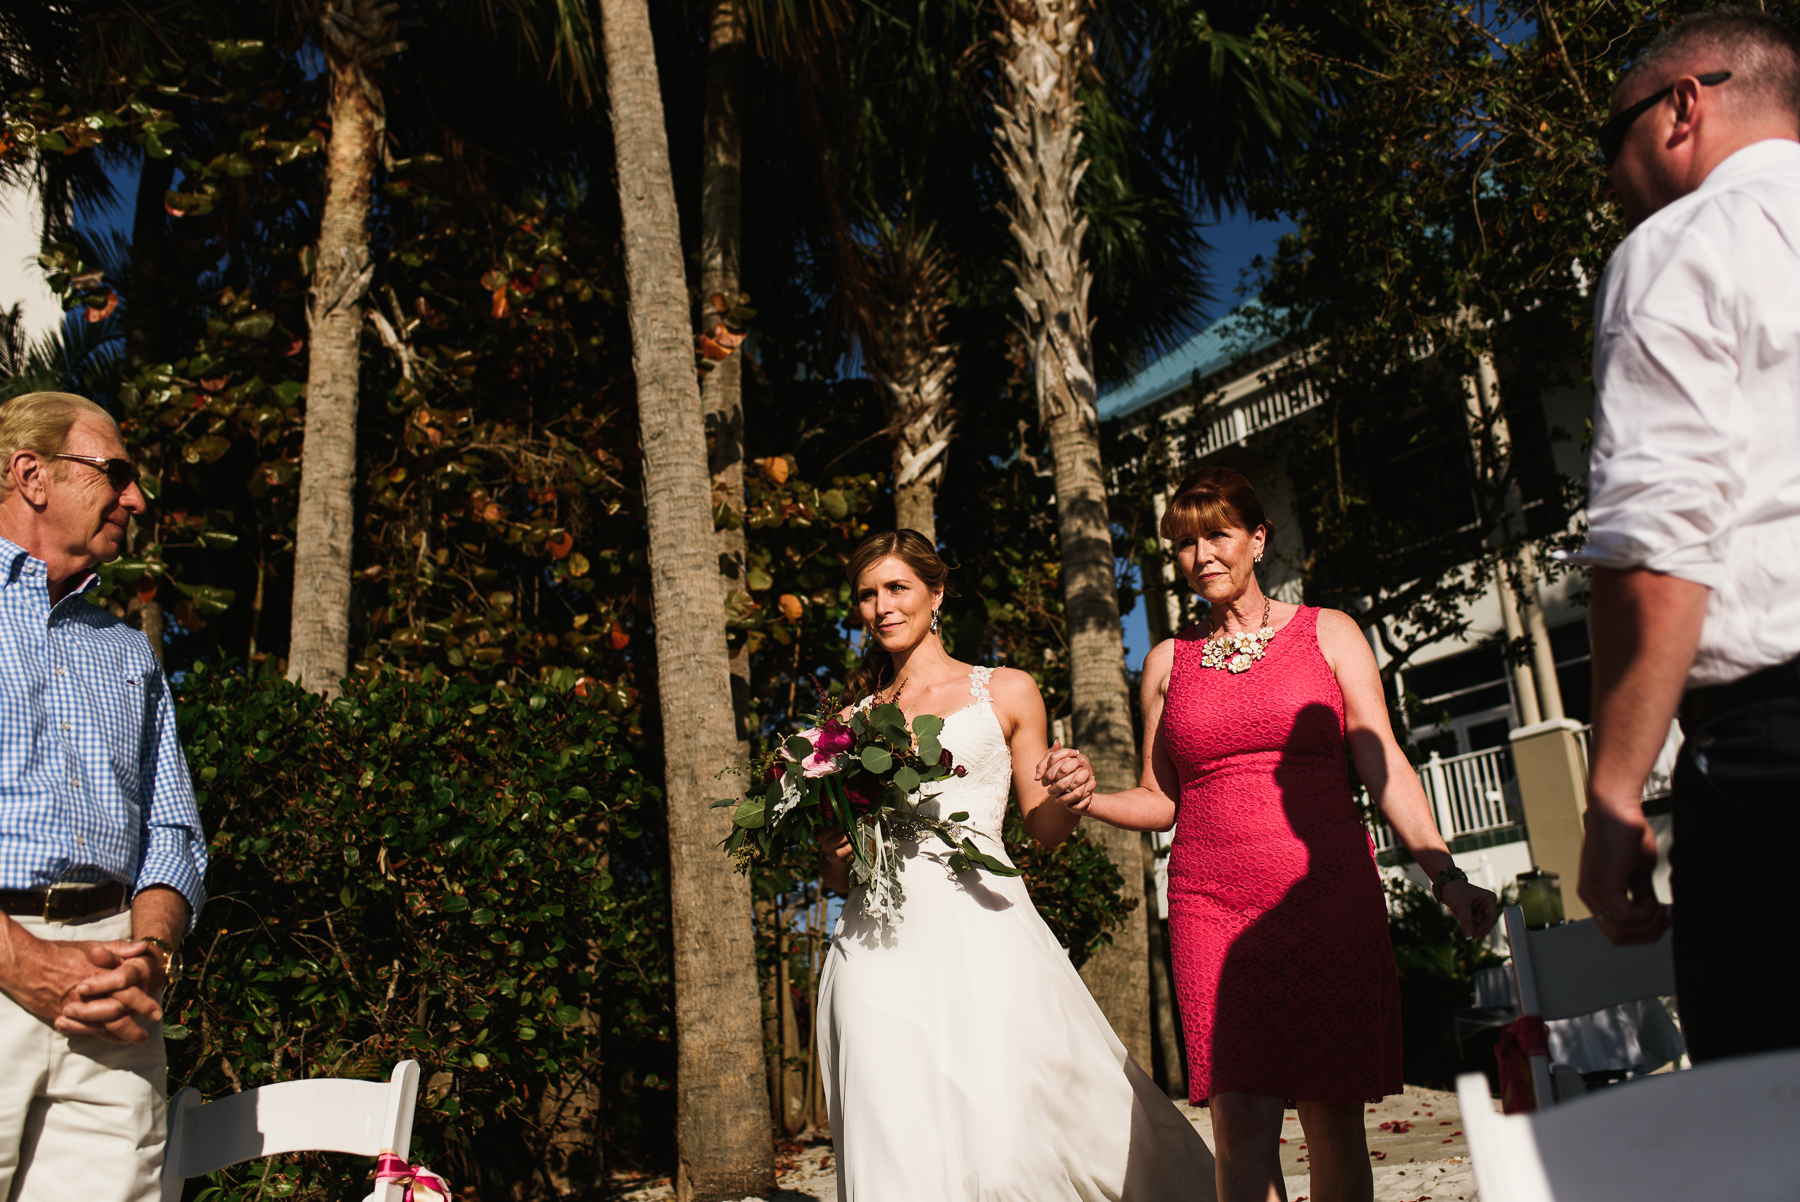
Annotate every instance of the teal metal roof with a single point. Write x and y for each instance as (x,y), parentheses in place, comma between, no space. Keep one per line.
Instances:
(1241,332)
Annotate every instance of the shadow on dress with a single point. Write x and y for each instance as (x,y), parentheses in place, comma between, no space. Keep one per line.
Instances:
(1302,1010)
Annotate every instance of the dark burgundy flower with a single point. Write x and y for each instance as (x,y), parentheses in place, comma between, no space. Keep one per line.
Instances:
(945,760)
(863,791)
(832,738)
(961,771)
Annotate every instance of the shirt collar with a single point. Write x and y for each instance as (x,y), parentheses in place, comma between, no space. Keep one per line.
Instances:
(17,565)
(1750,162)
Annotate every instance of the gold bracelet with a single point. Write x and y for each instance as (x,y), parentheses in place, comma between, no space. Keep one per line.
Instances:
(170,955)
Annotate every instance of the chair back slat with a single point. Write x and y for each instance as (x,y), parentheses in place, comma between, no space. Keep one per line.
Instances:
(1576,970)
(1722,1130)
(293,1116)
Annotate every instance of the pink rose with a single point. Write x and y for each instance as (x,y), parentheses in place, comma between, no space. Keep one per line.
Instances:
(829,741)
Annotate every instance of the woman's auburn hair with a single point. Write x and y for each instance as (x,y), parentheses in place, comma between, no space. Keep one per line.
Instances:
(1214,498)
(916,552)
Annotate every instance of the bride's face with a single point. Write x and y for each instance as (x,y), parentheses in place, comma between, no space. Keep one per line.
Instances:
(895,605)
(1220,564)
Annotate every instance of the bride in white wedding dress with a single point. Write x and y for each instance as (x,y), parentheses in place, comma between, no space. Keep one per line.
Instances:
(963,1057)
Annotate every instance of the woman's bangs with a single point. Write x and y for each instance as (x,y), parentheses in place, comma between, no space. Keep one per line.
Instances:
(1196,514)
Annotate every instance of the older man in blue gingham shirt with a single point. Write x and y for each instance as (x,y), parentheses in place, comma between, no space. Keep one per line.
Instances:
(101,852)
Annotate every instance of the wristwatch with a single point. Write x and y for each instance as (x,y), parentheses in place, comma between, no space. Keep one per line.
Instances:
(1452,873)
(171,957)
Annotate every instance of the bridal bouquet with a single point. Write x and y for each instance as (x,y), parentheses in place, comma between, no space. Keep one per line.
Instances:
(864,776)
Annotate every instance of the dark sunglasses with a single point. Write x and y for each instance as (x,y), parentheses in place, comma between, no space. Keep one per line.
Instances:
(1613,130)
(120,473)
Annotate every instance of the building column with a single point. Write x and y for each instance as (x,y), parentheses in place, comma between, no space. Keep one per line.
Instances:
(1552,775)
(1524,682)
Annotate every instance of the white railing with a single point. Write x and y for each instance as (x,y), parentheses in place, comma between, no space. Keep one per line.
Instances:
(1469,794)
(1662,773)
(1266,408)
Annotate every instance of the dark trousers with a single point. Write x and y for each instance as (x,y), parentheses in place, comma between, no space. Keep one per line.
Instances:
(1736,828)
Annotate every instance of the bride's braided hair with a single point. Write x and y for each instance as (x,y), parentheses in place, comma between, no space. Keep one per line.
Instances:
(916,552)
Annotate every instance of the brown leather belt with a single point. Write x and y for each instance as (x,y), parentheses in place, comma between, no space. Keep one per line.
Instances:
(65,904)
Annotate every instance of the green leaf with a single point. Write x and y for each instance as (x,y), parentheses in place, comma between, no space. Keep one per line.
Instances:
(798,747)
(977,856)
(877,759)
(959,816)
(751,813)
(907,779)
(456,903)
(928,726)
(930,751)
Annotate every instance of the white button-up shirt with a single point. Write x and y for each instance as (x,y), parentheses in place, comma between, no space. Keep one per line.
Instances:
(1696,457)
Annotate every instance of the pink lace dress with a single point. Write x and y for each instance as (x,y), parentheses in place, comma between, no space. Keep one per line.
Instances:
(1277,923)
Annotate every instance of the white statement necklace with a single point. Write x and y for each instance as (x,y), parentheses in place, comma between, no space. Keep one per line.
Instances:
(1235,653)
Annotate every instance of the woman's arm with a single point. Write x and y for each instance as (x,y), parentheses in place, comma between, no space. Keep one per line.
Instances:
(1384,769)
(1150,806)
(1020,708)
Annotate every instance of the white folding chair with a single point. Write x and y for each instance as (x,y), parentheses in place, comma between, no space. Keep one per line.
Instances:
(1722,1130)
(328,1114)
(1573,969)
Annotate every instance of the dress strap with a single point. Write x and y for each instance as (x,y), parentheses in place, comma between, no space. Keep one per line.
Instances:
(978,683)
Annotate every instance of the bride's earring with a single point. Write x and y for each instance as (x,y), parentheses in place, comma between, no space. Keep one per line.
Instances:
(1259,557)
(934,621)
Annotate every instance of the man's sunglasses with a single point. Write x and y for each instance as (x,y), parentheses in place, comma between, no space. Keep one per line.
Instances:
(120,473)
(1613,130)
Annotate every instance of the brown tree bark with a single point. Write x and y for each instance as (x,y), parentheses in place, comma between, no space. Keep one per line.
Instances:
(721,239)
(1044,53)
(358,34)
(722,1107)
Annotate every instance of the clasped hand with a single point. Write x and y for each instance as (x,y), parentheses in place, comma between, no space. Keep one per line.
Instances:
(1068,776)
(103,988)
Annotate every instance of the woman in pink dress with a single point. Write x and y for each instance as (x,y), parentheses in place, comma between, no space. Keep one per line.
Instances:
(1276,917)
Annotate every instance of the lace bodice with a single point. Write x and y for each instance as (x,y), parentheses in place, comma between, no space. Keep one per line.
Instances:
(974,739)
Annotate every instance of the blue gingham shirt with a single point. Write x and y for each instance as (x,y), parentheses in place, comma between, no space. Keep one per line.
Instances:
(93,786)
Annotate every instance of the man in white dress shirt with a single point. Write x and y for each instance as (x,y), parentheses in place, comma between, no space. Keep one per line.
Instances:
(1694,516)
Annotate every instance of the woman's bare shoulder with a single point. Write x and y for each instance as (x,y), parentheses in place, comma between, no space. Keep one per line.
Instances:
(1341,636)
(1013,684)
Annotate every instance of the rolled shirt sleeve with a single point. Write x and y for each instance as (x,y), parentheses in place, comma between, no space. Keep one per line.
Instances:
(174,847)
(1670,459)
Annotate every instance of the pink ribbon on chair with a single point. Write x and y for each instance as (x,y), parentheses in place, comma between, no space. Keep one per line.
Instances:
(422,1185)
(1520,1040)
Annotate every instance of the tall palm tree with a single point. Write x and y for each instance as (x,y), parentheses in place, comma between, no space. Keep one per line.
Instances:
(1045,55)
(358,34)
(901,316)
(722,1107)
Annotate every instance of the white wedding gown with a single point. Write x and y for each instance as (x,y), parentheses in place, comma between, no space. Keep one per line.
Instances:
(963,1057)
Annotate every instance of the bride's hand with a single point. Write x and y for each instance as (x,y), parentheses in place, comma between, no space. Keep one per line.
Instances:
(1068,776)
(834,859)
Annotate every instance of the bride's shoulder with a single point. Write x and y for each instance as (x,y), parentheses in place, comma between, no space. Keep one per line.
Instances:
(1009,683)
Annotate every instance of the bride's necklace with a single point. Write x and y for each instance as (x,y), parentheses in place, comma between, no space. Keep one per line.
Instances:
(1235,653)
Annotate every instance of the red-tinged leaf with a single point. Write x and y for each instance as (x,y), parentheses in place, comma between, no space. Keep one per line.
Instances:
(501,305)
(717,301)
(217,383)
(560,545)
(295,347)
(172,211)
(146,588)
(620,639)
(712,350)
(105,311)
(727,339)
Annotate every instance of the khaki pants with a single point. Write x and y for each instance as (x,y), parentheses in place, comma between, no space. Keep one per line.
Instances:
(81,1120)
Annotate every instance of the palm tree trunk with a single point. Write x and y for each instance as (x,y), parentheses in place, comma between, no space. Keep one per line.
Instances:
(901,319)
(722,1107)
(721,237)
(1039,140)
(357,34)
